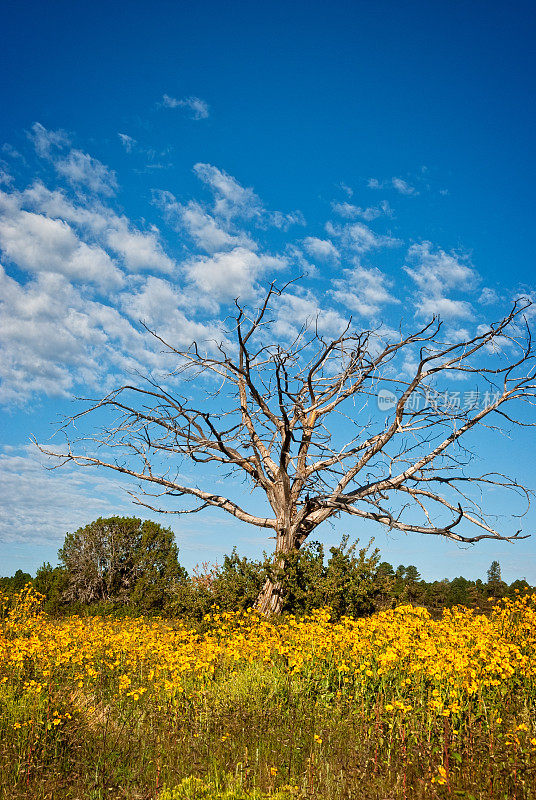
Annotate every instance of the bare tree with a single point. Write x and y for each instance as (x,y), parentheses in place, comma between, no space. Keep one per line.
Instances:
(300,421)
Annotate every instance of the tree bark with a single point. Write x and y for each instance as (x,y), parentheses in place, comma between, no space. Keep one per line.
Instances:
(270,599)
(272,595)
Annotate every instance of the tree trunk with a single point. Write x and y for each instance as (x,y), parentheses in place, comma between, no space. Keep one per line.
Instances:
(270,599)
(271,596)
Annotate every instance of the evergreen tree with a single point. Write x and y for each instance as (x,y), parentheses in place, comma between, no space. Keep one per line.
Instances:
(494,573)
(121,559)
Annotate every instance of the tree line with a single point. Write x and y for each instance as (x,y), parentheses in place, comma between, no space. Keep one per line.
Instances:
(125,565)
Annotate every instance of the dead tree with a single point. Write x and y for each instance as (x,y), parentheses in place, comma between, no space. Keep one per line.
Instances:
(300,421)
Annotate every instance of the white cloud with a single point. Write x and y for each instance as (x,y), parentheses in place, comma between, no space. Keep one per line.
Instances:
(321,249)
(403,187)
(82,169)
(71,325)
(79,168)
(92,216)
(350,211)
(5,178)
(360,237)
(233,204)
(198,108)
(10,151)
(127,141)
(207,233)
(226,276)
(365,291)
(219,226)
(36,243)
(55,337)
(437,273)
(47,142)
(298,309)
(41,505)
(444,307)
(231,199)
(285,221)
(158,303)
(488,296)
(38,349)
(140,250)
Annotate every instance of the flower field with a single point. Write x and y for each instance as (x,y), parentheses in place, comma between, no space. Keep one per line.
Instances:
(397,705)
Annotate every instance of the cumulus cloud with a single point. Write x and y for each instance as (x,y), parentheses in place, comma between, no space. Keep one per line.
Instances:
(160,303)
(139,250)
(80,169)
(55,337)
(444,307)
(286,221)
(5,177)
(47,142)
(359,237)
(434,270)
(488,296)
(321,249)
(36,243)
(231,199)
(226,276)
(302,308)
(197,108)
(365,291)
(207,233)
(74,321)
(436,273)
(220,223)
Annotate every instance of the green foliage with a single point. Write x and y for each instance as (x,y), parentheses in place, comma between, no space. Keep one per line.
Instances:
(121,560)
(16,582)
(301,576)
(52,583)
(494,573)
(459,593)
(124,566)
(412,574)
(238,582)
(495,587)
(350,582)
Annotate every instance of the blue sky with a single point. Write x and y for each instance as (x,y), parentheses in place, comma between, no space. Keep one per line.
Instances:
(155,156)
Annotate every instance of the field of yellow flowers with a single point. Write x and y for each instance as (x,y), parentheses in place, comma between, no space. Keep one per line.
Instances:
(397,705)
